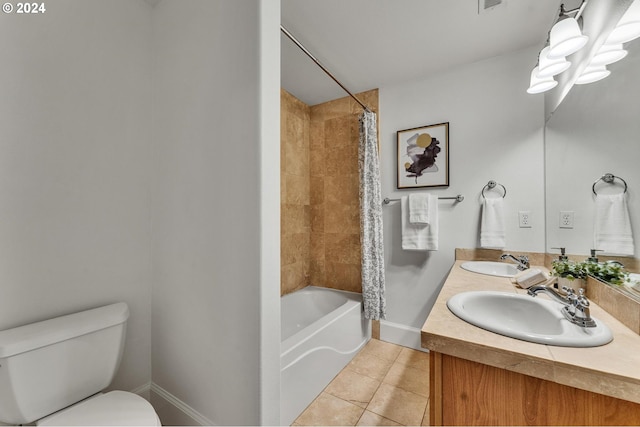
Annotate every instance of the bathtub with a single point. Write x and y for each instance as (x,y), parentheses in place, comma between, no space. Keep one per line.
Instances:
(322,329)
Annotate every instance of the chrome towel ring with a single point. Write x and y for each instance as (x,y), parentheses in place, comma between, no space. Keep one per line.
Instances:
(492,184)
(609,178)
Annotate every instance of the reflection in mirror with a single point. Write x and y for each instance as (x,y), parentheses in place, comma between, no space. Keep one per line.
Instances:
(596,130)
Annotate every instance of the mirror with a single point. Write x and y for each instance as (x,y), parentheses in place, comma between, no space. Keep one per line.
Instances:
(596,130)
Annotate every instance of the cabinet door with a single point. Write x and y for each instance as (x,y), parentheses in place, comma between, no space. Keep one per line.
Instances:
(470,393)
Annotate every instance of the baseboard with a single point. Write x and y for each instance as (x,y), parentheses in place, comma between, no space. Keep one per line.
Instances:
(144,391)
(406,336)
(173,411)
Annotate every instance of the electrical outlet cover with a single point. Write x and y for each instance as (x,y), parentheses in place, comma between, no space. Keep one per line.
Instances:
(566,219)
(524,219)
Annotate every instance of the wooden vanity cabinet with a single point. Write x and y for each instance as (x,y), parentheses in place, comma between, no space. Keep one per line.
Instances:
(468,393)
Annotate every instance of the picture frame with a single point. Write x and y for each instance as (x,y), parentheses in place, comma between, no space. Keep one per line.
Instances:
(423,156)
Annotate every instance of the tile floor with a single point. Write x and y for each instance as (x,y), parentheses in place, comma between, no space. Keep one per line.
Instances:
(384,385)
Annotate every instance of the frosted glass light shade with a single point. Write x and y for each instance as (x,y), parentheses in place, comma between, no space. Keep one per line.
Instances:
(624,32)
(539,84)
(608,54)
(550,67)
(566,38)
(628,28)
(593,74)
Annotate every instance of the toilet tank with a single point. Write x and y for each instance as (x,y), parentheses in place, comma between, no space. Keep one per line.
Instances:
(49,365)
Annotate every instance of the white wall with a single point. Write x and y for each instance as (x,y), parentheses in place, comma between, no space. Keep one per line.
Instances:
(75,167)
(496,132)
(216,201)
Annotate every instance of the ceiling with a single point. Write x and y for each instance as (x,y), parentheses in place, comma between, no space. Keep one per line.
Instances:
(368,44)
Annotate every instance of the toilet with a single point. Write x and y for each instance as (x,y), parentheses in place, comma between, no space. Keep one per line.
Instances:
(54,372)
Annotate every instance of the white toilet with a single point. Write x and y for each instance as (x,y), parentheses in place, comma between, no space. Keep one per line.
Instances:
(53,372)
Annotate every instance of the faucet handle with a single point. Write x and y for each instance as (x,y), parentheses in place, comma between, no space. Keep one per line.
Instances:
(582,298)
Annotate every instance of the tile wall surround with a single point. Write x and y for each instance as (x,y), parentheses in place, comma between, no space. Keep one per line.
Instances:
(320,203)
(295,209)
(624,308)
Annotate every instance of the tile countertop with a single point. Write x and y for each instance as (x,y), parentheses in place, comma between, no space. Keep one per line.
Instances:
(612,369)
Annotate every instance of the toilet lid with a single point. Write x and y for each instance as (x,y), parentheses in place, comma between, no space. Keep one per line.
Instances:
(116,408)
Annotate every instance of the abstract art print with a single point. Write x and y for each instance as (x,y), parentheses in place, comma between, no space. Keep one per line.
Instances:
(423,156)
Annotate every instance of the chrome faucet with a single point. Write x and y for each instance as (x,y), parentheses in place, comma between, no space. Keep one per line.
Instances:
(522,261)
(576,307)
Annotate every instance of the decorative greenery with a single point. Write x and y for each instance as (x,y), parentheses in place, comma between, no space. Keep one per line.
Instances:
(569,269)
(607,272)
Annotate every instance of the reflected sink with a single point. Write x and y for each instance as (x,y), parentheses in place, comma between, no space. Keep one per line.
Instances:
(537,320)
(501,269)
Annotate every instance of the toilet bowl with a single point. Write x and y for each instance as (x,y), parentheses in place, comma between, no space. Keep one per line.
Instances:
(113,408)
(53,372)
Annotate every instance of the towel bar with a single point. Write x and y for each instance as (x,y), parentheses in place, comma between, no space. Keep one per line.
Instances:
(608,178)
(457,198)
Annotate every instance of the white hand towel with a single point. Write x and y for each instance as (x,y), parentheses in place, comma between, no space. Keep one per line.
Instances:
(612,228)
(419,207)
(492,233)
(419,237)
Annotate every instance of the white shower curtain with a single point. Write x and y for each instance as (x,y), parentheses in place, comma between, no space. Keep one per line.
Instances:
(371,219)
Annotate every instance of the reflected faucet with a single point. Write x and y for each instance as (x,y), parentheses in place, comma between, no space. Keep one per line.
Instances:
(522,261)
(576,307)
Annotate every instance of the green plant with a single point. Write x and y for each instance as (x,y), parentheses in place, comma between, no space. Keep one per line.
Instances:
(607,272)
(569,269)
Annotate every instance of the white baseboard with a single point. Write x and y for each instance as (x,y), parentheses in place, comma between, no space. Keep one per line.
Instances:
(144,391)
(171,408)
(406,336)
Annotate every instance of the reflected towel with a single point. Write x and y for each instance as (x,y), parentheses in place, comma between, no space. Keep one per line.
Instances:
(419,207)
(419,237)
(612,228)
(492,233)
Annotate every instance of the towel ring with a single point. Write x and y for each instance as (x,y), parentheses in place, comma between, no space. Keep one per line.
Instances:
(608,178)
(492,184)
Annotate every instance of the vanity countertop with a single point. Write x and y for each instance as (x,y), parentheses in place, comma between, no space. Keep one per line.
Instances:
(612,369)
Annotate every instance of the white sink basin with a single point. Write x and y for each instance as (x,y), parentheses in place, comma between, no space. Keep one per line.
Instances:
(524,317)
(491,268)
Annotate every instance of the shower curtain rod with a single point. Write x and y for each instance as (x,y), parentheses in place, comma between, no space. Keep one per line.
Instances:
(314,59)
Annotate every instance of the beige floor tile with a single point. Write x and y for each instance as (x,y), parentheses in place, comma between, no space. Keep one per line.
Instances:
(371,419)
(408,378)
(328,410)
(370,365)
(398,405)
(382,349)
(414,358)
(353,387)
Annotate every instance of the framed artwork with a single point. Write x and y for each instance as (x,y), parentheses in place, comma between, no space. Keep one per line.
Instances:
(423,156)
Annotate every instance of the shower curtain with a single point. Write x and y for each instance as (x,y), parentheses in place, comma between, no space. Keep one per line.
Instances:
(371,219)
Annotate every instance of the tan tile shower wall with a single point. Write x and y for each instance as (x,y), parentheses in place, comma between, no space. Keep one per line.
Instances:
(334,184)
(320,220)
(295,209)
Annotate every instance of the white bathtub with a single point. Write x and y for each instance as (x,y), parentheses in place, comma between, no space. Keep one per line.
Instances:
(322,329)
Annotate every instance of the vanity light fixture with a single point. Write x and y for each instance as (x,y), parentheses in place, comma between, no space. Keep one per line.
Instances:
(566,36)
(628,28)
(540,84)
(608,54)
(593,73)
(549,67)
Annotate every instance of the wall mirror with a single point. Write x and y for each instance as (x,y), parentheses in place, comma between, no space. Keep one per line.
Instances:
(595,130)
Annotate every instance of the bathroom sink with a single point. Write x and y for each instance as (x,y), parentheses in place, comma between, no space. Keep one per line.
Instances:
(537,320)
(491,268)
